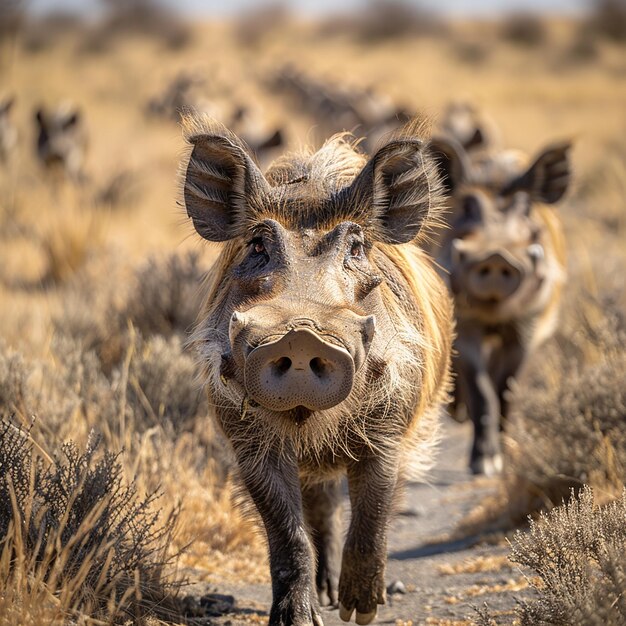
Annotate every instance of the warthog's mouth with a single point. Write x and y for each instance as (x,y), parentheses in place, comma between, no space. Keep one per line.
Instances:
(300,414)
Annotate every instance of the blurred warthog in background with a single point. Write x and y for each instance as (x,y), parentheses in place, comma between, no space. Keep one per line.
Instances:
(504,256)
(62,140)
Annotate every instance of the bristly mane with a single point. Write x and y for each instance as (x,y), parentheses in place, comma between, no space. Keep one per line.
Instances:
(308,189)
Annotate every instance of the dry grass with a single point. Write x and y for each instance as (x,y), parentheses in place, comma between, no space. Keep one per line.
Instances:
(576,552)
(77,540)
(490,563)
(100,292)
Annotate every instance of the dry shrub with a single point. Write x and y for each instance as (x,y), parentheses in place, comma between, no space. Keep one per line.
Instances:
(68,242)
(165,297)
(608,20)
(578,551)
(384,20)
(162,296)
(154,386)
(583,47)
(570,434)
(42,33)
(76,541)
(163,384)
(568,427)
(147,18)
(12,13)
(524,29)
(254,24)
(471,52)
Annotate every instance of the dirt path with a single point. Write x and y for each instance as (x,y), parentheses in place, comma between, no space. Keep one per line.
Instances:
(418,552)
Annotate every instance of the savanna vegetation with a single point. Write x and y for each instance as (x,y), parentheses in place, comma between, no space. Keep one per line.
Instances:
(115,488)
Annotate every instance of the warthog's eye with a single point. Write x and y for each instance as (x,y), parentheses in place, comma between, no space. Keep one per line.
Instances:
(258,252)
(356,249)
(258,247)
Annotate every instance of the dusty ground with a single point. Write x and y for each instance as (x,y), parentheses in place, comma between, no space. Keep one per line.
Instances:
(445,574)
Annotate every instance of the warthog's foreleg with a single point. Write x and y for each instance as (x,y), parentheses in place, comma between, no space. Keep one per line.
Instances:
(274,486)
(372,482)
(322,508)
(483,405)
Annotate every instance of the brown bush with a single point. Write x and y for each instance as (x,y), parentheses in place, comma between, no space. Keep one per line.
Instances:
(12,14)
(72,527)
(162,296)
(608,20)
(146,18)
(163,385)
(386,20)
(568,435)
(254,24)
(524,29)
(41,33)
(578,551)
(165,297)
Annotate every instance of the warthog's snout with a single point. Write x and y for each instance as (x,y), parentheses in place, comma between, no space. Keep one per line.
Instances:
(300,365)
(494,278)
(491,277)
(300,369)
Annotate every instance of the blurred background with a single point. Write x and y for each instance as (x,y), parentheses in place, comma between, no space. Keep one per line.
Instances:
(99,269)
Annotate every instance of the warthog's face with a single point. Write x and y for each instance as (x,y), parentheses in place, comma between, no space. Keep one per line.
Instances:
(60,138)
(296,332)
(497,254)
(302,303)
(495,248)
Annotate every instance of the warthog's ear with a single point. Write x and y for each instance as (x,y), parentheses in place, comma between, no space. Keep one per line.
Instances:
(452,161)
(397,185)
(219,180)
(40,117)
(548,178)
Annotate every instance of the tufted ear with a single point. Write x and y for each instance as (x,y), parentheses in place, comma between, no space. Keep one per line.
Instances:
(220,180)
(548,178)
(451,160)
(398,185)
(41,117)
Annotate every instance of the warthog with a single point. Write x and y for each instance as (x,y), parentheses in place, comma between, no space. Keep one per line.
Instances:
(62,140)
(324,343)
(8,131)
(188,92)
(337,107)
(504,255)
(463,121)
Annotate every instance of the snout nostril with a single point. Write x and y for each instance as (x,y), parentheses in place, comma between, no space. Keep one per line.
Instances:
(484,271)
(318,367)
(506,273)
(282,365)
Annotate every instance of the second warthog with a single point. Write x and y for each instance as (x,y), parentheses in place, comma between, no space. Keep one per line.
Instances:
(325,344)
(504,256)
(62,140)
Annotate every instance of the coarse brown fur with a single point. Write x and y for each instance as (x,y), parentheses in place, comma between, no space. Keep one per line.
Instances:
(388,422)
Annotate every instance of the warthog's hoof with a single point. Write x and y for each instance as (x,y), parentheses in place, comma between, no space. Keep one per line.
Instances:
(361,618)
(487,465)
